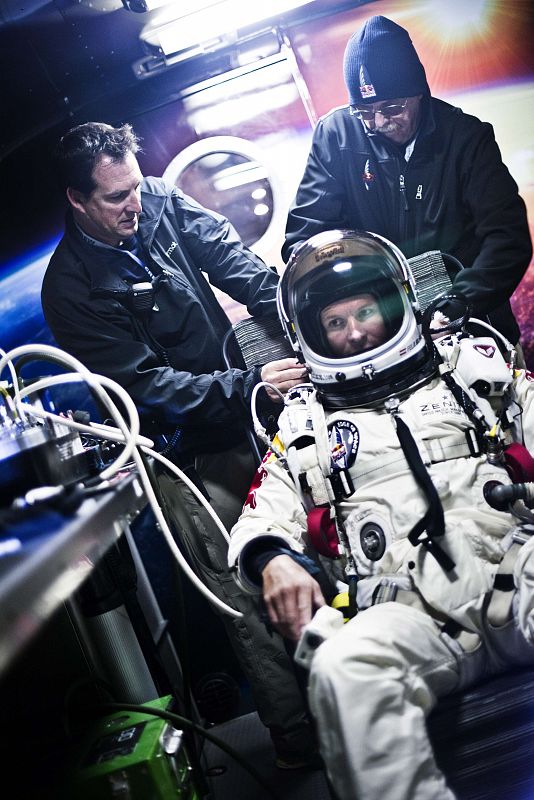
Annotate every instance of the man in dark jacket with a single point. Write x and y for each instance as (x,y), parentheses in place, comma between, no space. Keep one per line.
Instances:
(125,293)
(416,170)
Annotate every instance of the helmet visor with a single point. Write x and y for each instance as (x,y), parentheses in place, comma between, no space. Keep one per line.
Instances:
(349,306)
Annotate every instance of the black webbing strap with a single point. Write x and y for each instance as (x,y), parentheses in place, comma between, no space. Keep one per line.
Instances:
(353,592)
(432,525)
(465,402)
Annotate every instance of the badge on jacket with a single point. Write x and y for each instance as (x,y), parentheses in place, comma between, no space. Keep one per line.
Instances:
(344,443)
(368,176)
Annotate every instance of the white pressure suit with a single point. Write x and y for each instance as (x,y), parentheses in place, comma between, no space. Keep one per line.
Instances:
(373,683)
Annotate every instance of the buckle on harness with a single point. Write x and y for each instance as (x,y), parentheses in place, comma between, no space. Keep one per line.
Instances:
(472,442)
(522,537)
(341,484)
(385,592)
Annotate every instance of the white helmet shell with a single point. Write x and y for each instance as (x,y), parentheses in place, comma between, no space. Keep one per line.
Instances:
(340,265)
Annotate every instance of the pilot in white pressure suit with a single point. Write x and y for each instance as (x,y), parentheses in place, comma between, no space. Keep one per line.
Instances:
(406,461)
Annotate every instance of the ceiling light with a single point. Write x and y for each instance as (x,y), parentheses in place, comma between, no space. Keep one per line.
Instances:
(211,23)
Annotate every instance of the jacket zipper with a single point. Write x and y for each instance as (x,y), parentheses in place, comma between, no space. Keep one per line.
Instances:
(404,208)
(403,192)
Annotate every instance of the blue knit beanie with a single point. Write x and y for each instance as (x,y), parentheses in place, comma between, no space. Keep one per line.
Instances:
(380,63)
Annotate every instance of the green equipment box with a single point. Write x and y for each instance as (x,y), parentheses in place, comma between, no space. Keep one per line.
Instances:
(131,755)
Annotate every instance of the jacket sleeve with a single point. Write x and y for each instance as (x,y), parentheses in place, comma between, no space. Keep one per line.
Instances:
(271,491)
(216,249)
(104,337)
(491,200)
(319,204)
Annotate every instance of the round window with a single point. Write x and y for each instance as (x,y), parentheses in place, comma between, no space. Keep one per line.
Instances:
(227,175)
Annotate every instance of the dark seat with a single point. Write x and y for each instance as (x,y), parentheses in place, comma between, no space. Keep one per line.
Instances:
(253,342)
(483,738)
(433,273)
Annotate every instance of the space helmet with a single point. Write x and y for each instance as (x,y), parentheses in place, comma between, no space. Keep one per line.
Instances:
(369,275)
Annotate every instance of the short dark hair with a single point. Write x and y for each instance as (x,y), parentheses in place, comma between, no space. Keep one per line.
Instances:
(78,150)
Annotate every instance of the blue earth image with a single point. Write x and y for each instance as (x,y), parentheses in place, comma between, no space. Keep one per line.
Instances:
(21,316)
(22,323)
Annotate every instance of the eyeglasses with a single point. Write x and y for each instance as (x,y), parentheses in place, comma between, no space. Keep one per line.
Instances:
(368,114)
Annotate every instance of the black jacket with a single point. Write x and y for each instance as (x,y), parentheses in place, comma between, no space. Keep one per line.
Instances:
(170,360)
(454,195)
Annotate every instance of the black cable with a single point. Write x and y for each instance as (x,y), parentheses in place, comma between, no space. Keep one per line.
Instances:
(456,263)
(182,722)
(463,399)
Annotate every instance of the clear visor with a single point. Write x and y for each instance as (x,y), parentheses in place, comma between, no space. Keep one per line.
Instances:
(347,298)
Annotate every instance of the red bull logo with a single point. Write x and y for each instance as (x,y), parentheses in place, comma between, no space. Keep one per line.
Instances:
(367,89)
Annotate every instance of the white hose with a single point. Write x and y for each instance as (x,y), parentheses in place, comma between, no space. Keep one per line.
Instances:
(130,436)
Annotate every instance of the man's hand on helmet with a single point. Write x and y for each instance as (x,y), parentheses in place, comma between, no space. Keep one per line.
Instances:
(283,375)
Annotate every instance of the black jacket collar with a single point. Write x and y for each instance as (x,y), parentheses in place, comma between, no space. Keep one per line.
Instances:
(101,263)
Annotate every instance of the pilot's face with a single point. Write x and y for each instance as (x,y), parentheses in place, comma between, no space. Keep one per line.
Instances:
(110,213)
(353,325)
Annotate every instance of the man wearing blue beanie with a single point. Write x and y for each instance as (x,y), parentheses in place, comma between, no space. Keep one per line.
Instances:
(381,63)
(417,170)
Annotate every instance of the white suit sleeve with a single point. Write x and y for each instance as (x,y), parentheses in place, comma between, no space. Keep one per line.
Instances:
(524,388)
(272,509)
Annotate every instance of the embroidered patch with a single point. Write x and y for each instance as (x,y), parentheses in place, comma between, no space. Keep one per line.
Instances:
(344,443)
(487,350)
(367,175)
(366,87)
(259,477)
